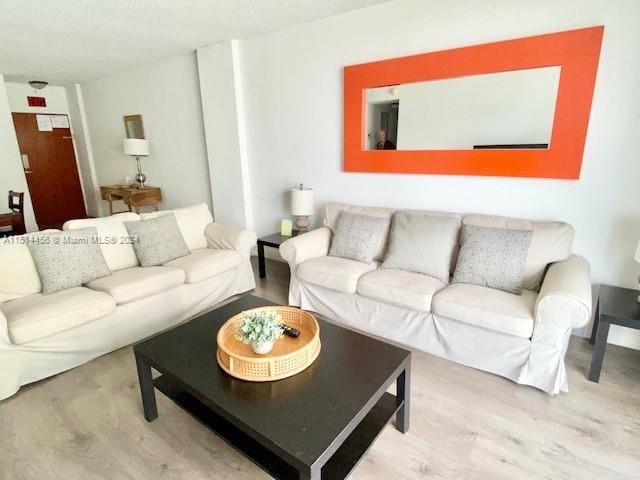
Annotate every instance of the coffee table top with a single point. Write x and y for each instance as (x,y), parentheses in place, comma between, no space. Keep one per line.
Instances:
(301,416)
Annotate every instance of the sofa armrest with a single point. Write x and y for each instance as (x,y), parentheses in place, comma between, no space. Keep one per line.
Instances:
(230,237)
(312,244)
(565,295)
(4,330)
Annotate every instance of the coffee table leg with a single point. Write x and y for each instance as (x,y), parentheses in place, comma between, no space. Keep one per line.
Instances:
(403,393)
(261,267)
(598,351)
(146,390)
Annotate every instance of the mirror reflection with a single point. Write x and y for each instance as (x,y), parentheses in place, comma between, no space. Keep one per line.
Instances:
(498,110)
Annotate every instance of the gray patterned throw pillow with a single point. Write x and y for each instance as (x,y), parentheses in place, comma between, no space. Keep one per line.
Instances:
(493,257)
(67,259)
(357,236)
(157,241)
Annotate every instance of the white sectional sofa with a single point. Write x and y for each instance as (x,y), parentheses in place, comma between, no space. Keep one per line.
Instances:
(521,337)
(42,335)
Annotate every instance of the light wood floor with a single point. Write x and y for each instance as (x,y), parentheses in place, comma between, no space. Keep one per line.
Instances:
(465,424)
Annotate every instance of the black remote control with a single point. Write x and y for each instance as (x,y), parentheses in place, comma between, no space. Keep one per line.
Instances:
(290,331)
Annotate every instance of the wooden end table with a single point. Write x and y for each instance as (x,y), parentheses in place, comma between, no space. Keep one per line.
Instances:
(616,306)
(274,240)
(132,196)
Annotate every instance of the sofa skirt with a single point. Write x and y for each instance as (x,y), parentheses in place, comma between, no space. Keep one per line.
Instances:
(469,345)
(130,323)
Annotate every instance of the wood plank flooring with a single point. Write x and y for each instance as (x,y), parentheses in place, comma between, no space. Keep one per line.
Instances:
(465,424)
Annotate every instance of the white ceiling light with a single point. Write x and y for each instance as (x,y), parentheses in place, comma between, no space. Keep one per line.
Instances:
(38,84)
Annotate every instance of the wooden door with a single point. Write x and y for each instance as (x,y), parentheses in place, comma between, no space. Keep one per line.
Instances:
(51,171)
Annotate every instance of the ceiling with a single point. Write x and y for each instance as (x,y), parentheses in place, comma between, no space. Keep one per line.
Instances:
(69,41)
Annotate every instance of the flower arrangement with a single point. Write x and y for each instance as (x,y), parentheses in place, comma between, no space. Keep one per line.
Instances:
(260,329)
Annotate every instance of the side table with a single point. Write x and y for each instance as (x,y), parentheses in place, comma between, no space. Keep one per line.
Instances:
(616,306)
(274,240)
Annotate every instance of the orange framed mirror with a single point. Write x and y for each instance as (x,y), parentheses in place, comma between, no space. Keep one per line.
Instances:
(571,58)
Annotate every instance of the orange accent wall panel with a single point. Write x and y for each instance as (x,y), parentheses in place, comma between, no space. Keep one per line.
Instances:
(576,52)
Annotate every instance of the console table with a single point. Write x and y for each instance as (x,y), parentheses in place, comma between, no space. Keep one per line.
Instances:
(132,196)
(616,306)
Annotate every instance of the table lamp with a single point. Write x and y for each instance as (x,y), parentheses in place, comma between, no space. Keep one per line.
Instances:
(137,147)
(302,207)
(636,257)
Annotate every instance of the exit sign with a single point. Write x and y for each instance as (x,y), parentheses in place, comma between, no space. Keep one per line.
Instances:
(37,101)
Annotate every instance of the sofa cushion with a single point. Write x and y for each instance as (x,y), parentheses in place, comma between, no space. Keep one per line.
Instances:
(357,236)
(332,213)
(551,242)
(19,274)
(333,272)
(192,222)
(68,259)
(117,249)
(38,316)
(206,263)
(399,287)
(487,308)
(157,240)
(135,283)
(423,242)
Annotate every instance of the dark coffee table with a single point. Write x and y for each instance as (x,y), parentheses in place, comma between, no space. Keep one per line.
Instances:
(317,424)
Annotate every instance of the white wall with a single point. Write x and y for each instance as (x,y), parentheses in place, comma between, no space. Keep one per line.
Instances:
(56,98)
(11,171)
(84,152)
(293,92)
(167,96)
(223,114)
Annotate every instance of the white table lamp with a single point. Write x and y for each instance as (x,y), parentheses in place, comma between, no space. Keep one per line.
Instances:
(137,147)
(302,207)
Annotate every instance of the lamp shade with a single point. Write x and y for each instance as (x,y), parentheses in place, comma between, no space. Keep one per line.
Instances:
(636,257)
(138,147)
(302,201)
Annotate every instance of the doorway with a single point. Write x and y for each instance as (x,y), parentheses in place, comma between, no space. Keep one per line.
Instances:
(50,167)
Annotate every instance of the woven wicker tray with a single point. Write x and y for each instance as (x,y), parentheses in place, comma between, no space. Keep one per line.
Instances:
(288,357)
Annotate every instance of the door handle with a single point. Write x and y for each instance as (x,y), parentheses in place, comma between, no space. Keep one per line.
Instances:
(25,162)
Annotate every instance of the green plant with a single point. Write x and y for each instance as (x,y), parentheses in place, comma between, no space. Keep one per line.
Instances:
(260,327)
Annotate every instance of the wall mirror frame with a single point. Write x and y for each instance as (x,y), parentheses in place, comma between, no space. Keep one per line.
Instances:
(576,52)
(133,126)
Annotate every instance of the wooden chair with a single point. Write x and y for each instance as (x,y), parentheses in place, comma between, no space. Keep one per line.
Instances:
(16,205)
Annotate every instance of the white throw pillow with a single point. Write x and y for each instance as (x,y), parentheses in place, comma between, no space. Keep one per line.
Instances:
(157,240)
(493,257)
(551,242)
(192,222)
(357,237)
(114,242)
(423,242)
(68,259)
(333,211)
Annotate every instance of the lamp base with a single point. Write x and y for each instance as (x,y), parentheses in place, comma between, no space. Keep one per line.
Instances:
(141,178)
(302,223)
